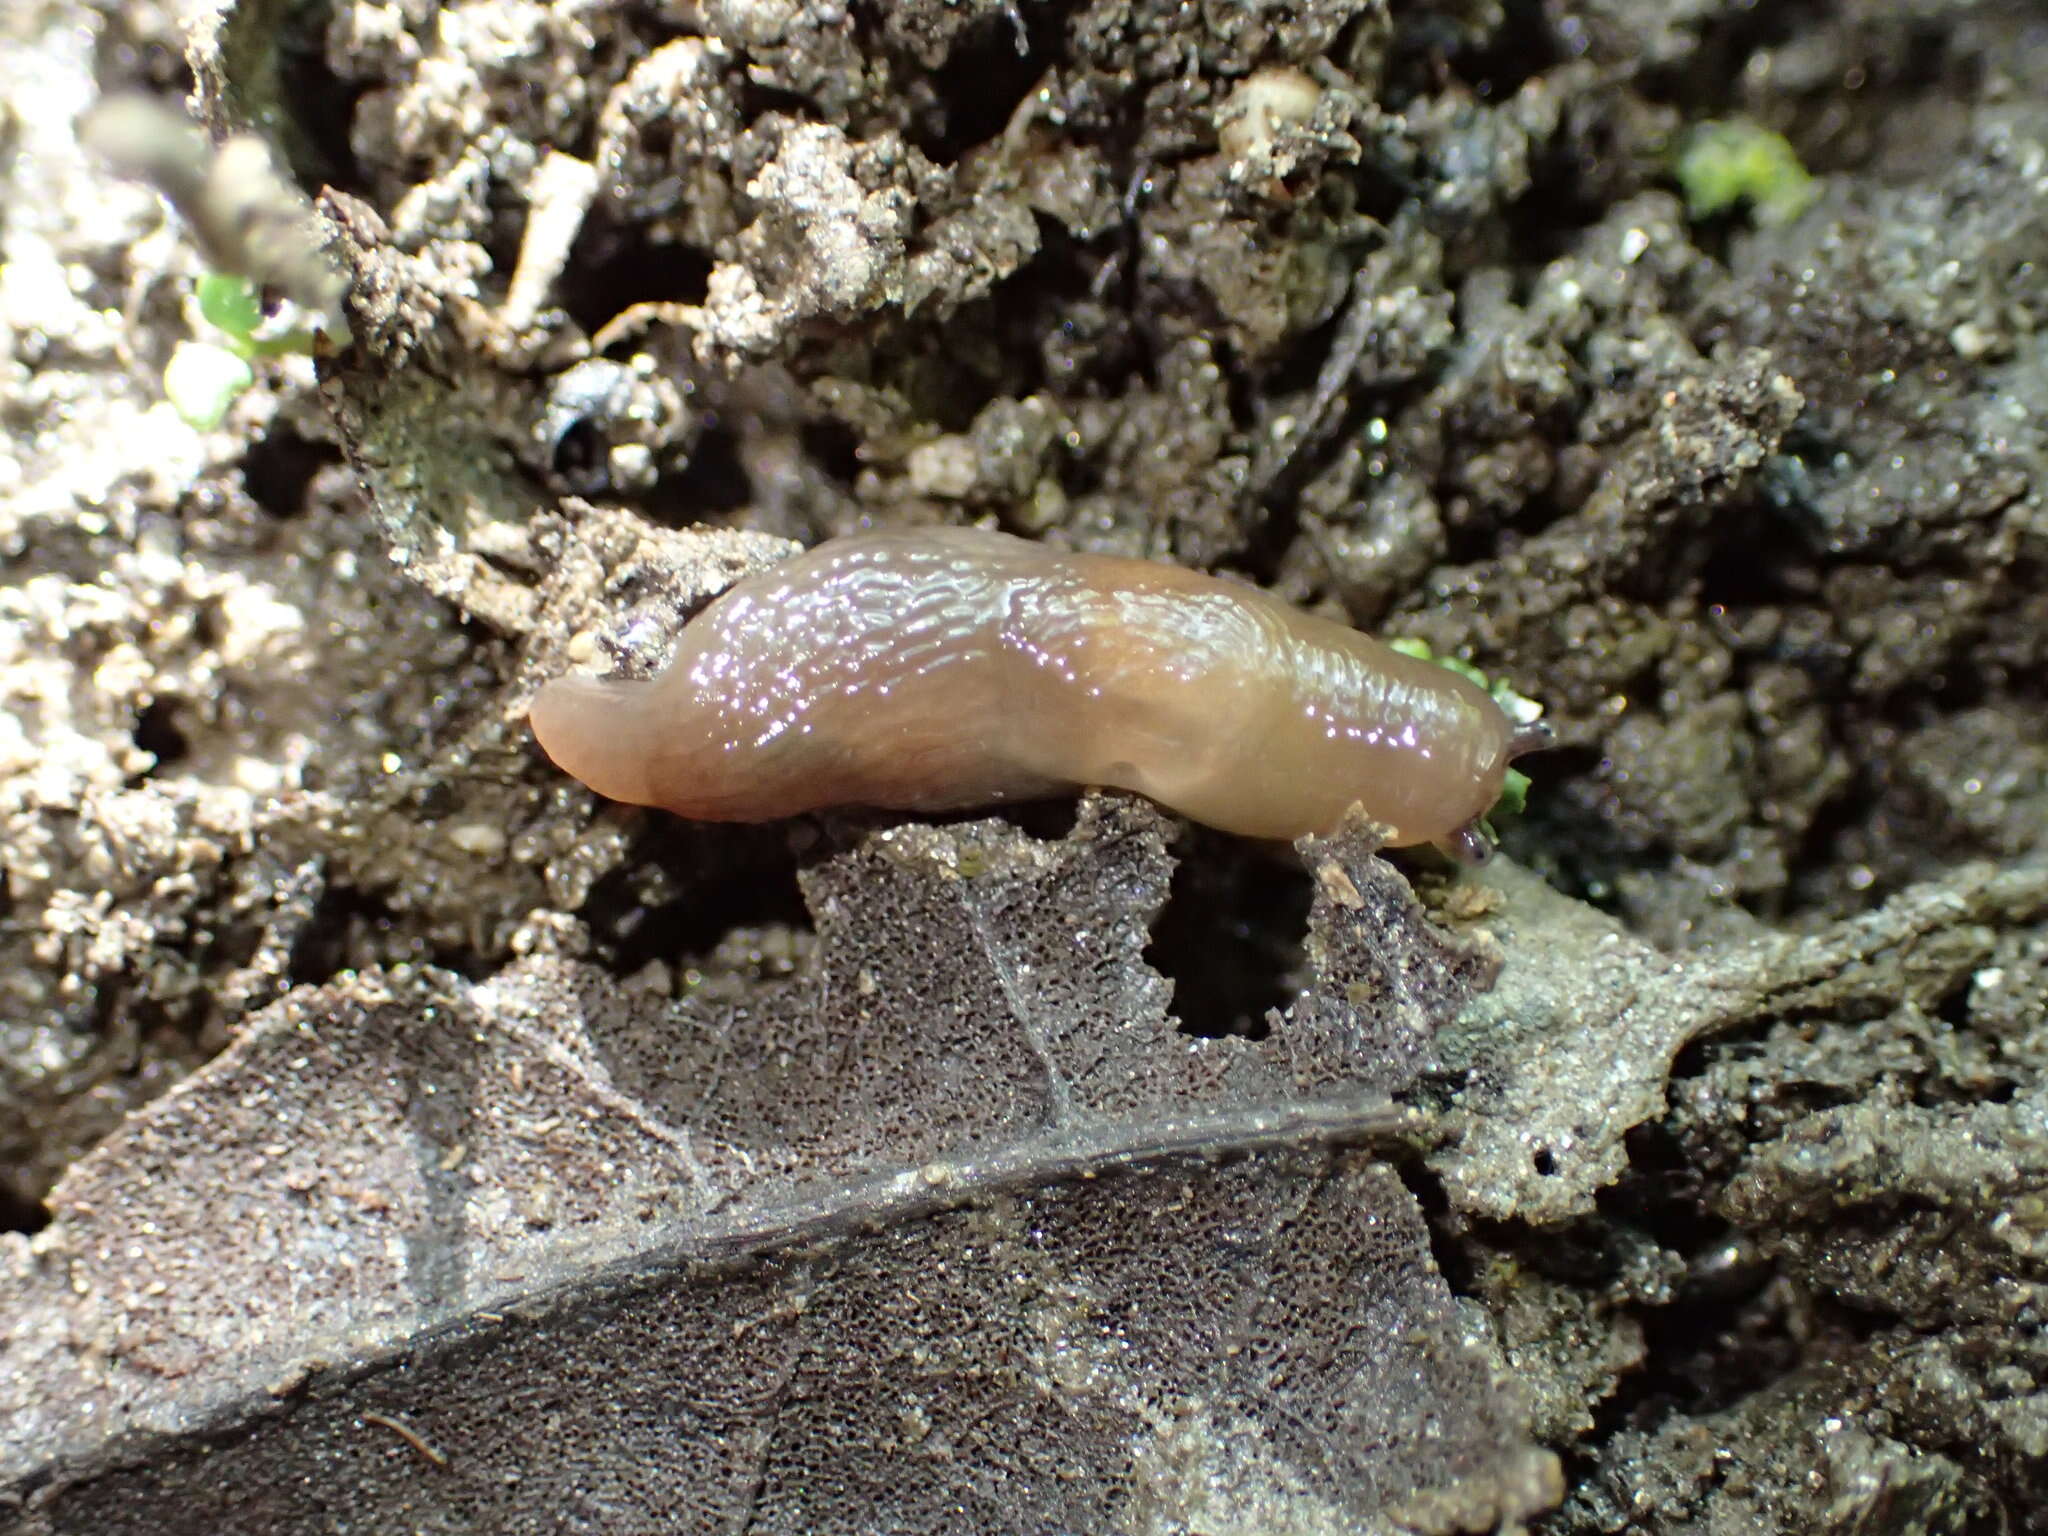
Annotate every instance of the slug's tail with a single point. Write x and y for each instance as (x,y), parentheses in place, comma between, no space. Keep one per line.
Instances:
(592,728)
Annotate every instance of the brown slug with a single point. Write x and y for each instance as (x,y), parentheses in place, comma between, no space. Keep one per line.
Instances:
(936,669)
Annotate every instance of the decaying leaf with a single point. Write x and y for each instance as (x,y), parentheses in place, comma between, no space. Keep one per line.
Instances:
(955,1231)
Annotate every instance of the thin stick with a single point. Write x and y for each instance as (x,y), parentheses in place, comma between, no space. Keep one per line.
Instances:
(405,1433)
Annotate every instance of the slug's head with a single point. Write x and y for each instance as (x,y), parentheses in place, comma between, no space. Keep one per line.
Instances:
(1471,843)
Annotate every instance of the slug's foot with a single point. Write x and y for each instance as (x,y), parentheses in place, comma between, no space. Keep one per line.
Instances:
(1467,845)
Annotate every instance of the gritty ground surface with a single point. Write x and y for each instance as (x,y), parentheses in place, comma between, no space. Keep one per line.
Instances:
(1398,312)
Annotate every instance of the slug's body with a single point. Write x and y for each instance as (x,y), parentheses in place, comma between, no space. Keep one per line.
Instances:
(936,669)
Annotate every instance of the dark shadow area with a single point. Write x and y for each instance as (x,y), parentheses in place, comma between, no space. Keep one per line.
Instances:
(1898,73)
(841,830)
(1522,47)
(1230,937)
(157,732)
(1751,564)
(985,78)
(1564,838)
(322,104)
(1705,84)
(756,99)
(948,368)
(353,929)
(689,884)
(18,1215)
(278,468)
(833,446)
(613,266)
(1724,1334)
(1432,47)
(1829,844)
(713,483)
(1575,181)
(578,455)
(1050,821)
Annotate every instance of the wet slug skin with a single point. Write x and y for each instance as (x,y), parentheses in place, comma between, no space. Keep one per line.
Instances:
(940,669)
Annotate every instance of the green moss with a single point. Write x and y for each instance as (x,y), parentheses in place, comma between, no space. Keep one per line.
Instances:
(1721,164)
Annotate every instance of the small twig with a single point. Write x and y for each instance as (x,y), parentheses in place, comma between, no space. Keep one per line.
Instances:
(405,1433)
(244,211)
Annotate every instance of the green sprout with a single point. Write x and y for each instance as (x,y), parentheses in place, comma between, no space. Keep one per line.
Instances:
(1732,161)
(202,381)
(256,231)
(1514,787)
(206,375)
(229,303)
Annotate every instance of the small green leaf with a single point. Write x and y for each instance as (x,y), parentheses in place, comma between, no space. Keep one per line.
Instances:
(1517,707)
(1514,792)
(229,302)
(1724,163)
(202,381)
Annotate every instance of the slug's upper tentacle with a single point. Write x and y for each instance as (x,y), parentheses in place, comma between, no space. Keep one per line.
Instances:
(1535,736)
(942,668)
